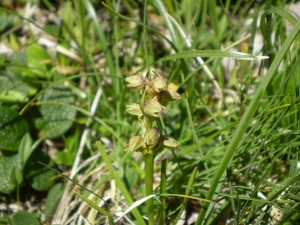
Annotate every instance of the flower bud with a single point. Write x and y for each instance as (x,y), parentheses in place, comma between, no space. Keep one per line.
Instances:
(151,137)
(158,83)
(135,144)
(136,82)
(134,109)
(152,107)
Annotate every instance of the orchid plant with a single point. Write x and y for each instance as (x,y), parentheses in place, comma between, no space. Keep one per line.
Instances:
(155,94)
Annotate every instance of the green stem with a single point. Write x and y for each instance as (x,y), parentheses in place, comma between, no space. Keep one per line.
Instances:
(149,162)
(163,187)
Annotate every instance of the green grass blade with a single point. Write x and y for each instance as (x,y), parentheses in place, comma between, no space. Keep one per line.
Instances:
(202,24)
(96,207)
(285,14)
(161,8)
(215,20)
(188,191)
(108,55)
(195,137)
(193,148)
(119,183)
(163,190)
(237,137)
(141,24)
(210,53)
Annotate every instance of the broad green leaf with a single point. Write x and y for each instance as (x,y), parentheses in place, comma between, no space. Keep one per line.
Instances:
(18,58)
(7,162)
(55,118)
(72,141)
(12,128)
(24,218)
(38,59)
(16,175)
(19,72)
(52,200)
(12,88)
(38,175)
(12,97)
(25,148)
(65,158)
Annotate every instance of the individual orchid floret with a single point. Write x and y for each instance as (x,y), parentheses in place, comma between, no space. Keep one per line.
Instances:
(135,144)
(158,83)
(152,107)
(136,82)
(169,142)
(165,141)
(168,95)
(134,109)
(151,137)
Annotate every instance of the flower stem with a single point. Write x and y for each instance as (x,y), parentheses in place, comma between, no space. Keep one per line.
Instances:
(149,162)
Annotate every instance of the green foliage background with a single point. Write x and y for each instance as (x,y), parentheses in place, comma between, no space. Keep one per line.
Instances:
(237,123)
